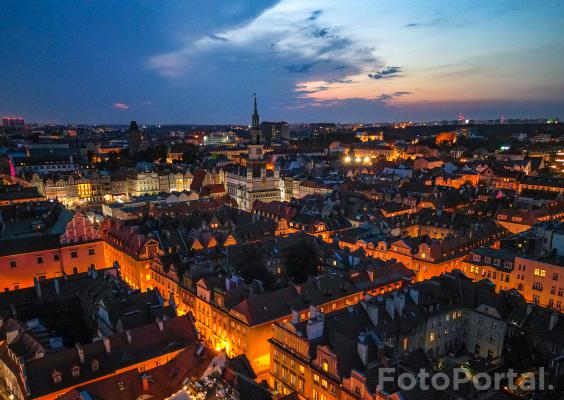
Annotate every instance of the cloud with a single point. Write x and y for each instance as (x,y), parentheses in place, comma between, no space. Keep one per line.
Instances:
(299,68)
(170,64)
(289,30)
(120,106)
(321,32)
(439,20)
(391,96)
(386,73)
(218,38)
(314,15)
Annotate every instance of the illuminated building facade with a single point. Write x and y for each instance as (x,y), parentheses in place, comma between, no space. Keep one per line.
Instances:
(255,181)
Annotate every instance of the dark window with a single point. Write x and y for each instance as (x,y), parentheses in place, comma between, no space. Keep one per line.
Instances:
(56,257)
(75,270)
(74,254)
(13,264)
(39,260)
(91,252)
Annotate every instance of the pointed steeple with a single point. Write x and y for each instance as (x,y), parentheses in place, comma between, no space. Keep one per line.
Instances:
(255,123)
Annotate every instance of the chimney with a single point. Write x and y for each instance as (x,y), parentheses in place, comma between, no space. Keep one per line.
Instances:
(295,317)
(372,310)
(107,344)
(390,307)
(160,324)
(172,303)
(382,359)
(37,287)
(56,281)
(80,351)
(128,335)
(414,294)
(553,321)
(362,348)
(315,327)
(145,379)
(312,311)
(399,302)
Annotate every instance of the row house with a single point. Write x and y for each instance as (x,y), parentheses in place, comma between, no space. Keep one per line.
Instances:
(539,279)
(129,249)
(35,373)
(520,220)
(75,189)
(59,245)
(425,256)
(458,179)
(553,184)
(141,183)
(337,355)
(244,326)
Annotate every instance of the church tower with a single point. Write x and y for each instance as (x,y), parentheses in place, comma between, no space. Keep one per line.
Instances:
(255,148)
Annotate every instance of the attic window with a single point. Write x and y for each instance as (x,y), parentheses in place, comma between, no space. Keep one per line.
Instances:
(57,376)
(75,371)
(95,365)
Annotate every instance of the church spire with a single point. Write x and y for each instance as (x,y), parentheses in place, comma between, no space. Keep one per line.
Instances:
(255,123)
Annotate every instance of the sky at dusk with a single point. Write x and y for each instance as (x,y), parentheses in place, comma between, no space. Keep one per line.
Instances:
(199,61)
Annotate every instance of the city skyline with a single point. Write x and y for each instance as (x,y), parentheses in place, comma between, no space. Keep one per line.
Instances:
(182,62)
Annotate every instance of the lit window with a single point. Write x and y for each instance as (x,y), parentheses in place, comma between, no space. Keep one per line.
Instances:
(539,272)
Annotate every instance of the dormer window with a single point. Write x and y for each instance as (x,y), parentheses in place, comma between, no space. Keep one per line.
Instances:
(95,365)
(477,257)
(325,365)
(56,376)
(75,371)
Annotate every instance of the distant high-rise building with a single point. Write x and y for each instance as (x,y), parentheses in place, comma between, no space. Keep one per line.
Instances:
(13,122)
(135,138)
(274,131)
(322,129)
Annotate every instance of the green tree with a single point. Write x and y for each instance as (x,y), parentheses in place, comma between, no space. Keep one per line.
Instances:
(190,154)
(301,261)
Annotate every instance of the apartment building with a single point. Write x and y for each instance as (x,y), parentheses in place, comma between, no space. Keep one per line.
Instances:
(336,355)
(539,279)
(44,240)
